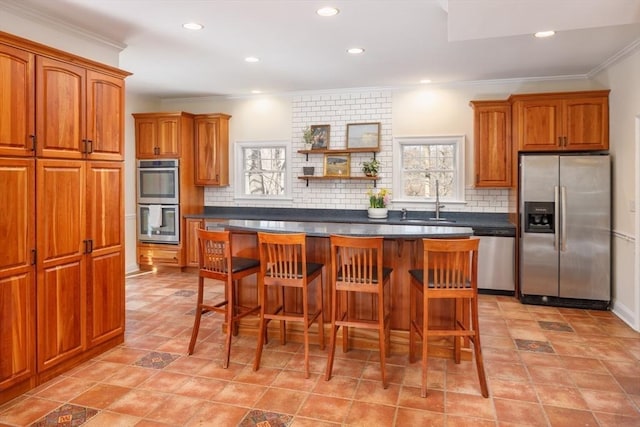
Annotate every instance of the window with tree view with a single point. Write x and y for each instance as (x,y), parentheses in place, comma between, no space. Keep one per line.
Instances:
(423,161)
(263,170)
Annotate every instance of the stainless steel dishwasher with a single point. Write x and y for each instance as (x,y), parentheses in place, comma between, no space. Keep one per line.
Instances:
(496,261)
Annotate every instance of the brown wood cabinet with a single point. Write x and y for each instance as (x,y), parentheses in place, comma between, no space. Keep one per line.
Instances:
(493,151)
(17,105)
(17,272)
(191,243)
(62,284)
(78,112)
(61,279)
(212,149)
(162,135)
(570,121)
(105,260)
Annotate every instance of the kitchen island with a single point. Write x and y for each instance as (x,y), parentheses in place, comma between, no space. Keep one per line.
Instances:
(402,252)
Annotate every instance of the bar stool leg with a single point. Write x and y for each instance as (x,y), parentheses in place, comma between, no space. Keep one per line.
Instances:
(196,322)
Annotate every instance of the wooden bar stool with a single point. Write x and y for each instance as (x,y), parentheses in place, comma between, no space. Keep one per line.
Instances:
(450,270)
(283,264)
(216,262)
(357,268)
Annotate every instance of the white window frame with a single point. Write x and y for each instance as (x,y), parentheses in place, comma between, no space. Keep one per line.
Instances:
(459,179)
(239,195)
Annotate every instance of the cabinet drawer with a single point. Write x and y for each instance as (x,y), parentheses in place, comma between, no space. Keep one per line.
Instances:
(156,256)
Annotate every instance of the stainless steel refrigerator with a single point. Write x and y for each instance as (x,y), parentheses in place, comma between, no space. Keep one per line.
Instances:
(565,240)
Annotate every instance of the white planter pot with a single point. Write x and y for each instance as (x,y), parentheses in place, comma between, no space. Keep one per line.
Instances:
(377,213)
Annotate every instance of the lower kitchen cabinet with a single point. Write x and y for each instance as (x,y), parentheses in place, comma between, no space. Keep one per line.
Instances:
(17,274)
(105,260)
(191,242)
(62,287)
(61,264)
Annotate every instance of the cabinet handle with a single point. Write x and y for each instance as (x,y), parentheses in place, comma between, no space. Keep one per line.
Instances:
(90,246)
(89,146)
(565,141)
(34,256)
(33,142)
(559,141)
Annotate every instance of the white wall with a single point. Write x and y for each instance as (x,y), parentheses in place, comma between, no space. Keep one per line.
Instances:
(624,104)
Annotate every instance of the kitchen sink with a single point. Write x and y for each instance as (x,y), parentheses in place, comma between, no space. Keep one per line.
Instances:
(441,221)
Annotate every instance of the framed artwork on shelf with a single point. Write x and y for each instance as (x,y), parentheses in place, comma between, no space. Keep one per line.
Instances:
(337,164)
(320,137)
(363,135)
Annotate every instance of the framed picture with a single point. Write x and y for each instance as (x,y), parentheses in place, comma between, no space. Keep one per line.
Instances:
(337,164)
(363,135)
(320,137)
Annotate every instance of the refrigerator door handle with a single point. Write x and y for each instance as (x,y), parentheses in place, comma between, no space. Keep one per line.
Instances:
(563,224)
(556,219)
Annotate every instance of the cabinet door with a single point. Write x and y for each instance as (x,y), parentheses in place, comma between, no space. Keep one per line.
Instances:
(212,158)
(60,109)
(17,271)
(168,142)
(146,138)
(540,124)
(105,125)
(105,279)
(193,225)
(493,151)
(17,102)
(587,124)
(61,244)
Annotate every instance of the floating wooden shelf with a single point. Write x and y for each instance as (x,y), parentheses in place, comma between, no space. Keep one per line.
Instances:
(326,178)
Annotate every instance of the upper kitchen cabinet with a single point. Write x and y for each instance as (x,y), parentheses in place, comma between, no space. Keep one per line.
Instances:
(56,105)
(17,102)
(493,150)
(212,149)
(162,135)
(78,112)
(571,121)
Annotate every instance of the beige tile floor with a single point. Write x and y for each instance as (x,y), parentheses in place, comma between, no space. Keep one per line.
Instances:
(546,367)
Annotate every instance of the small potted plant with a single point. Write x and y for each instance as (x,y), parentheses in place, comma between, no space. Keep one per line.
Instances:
(378,202)
(371,168)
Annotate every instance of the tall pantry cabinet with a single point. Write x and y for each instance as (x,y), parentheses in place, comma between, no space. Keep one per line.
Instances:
(61,173)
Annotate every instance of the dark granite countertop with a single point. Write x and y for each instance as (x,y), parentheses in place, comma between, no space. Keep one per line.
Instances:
(325,229)
(483,224)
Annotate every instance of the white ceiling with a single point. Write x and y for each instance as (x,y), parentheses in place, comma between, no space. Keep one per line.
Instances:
(447,41)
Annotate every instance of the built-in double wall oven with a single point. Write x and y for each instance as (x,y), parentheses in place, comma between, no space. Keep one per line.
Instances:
(158,201)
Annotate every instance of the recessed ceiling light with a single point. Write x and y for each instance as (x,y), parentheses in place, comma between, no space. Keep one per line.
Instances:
(425,81)
(542,34)
(256,91)
(252,59)
(355,50)
(192,26)
(327,11)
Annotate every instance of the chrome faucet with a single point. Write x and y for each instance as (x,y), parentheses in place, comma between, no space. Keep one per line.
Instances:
(438,205)
(404,214)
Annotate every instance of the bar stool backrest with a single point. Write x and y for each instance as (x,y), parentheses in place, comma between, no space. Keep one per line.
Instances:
(284,258)
(215,253)
(451,263)
(357,262)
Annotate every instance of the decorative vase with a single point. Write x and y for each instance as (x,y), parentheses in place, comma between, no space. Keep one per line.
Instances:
(377,213)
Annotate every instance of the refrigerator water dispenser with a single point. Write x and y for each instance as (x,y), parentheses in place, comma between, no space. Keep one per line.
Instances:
(539,217)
